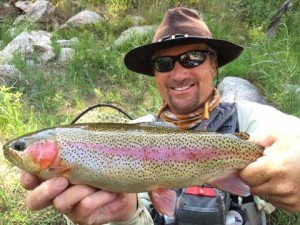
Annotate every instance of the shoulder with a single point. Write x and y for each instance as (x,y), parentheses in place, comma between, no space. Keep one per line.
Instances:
(145,119)
(248,105)
(254,117)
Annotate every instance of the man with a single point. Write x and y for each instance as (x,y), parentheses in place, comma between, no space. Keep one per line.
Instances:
(184,58)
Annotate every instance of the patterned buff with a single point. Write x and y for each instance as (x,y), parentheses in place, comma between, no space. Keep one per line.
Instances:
(192,119)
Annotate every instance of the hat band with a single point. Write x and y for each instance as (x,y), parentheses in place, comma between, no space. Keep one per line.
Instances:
(177,36)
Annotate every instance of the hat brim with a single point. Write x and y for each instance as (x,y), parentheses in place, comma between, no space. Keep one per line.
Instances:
(139,59)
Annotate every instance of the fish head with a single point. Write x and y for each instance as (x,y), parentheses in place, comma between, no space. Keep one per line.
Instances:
(33,152)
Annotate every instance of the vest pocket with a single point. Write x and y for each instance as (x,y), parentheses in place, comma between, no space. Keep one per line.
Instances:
(200,209)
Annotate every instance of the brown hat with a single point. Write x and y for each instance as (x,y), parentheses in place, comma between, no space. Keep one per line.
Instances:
(180,26)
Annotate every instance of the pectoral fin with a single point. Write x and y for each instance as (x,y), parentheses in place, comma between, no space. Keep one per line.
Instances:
(232,184)
(164,201)
(59,171)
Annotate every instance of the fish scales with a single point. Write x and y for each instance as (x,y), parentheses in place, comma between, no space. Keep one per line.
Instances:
(139,158)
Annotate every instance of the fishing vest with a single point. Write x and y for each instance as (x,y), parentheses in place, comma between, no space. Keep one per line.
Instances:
(209,206)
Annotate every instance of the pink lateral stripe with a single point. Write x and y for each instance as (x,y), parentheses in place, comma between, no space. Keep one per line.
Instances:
(156,154)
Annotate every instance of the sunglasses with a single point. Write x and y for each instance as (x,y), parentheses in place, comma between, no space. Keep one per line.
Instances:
(187,60)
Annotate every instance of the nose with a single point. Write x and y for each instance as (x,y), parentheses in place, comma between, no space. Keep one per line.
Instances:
(19,145)
(179,72)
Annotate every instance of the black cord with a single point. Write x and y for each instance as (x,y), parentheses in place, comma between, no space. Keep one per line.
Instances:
(98,106)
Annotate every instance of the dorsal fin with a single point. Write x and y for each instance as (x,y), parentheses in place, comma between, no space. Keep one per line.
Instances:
(158,125)
(242,135)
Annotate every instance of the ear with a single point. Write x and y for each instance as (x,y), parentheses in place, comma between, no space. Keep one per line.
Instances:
(214,65)
(215,62)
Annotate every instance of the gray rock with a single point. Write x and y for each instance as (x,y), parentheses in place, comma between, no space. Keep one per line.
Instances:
(22,43)
(68,43)
(83,18)
(294,87)
(127,34)
(23,5)
(36,44)
(38,11)
(136,20)
(45,53)
(65,55)
(234,89)
(10,74)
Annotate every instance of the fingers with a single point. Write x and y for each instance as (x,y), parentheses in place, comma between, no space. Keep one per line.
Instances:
(81,203)
(87,205)
(255,173)
(43,195)
(28,181)
(276,162)
(282,187)
(103,207)
(289,203)
(82,196)
(276,174)
(93,209)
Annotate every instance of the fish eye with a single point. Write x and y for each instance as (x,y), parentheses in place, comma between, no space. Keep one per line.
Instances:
(20,145)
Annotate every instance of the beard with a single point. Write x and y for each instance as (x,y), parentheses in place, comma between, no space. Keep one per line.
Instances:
(191,105)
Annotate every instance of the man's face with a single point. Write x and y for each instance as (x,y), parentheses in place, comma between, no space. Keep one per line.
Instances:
(186,89)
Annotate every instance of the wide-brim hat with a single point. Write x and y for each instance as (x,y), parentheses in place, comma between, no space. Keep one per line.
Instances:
(180,26)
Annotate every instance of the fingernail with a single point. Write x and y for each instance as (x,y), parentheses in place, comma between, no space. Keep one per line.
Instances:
(60,182)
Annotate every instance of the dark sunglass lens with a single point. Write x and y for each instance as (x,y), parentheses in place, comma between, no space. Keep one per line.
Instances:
(192,59)
(164,64)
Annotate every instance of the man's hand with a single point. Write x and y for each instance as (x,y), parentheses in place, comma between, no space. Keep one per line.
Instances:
(277,173)
(81,203)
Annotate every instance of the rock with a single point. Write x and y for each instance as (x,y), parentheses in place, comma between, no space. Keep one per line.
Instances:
(10,74)
(65,55)
(234,89)
(83,18)
(45,53)
(22,43)
(38,11)
(68,43)
(127,34)
(36,44)
(136,20)
(294,88)
(23,5)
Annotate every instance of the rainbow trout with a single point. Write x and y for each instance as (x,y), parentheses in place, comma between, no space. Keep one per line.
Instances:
(135,158)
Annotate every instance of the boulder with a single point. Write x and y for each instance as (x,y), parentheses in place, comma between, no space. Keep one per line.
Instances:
(234,89)
(83,18)
(68,43)
(37,11)
(127,34)
(65,55)
(35,45)
(9,74)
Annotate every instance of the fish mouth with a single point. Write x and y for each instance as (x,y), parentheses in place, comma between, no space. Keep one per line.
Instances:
(12,156)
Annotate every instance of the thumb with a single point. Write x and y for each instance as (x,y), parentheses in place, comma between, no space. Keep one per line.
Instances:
(255,173)
(264,140)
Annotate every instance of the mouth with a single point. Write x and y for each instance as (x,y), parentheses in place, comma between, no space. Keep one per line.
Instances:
(12,157)
(182,88)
